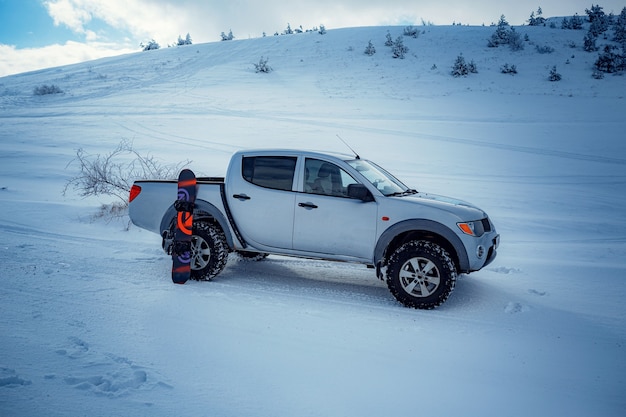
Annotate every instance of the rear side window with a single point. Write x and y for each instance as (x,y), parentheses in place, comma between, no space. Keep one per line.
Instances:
(270,171)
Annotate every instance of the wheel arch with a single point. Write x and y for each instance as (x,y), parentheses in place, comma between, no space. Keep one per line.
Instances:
(203,211)
(421,229)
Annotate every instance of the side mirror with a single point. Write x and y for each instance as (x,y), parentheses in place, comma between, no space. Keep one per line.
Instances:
(360,192)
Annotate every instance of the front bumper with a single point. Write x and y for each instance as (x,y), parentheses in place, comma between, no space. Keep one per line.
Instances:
(492,252)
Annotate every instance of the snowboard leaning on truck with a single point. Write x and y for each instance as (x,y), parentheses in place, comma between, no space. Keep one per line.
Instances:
(181,248)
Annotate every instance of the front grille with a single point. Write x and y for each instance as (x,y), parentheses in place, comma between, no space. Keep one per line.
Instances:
(486,224)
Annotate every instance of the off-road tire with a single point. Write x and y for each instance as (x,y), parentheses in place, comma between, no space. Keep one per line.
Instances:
(421,274)
(209,251)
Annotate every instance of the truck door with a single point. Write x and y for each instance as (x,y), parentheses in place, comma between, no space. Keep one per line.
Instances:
(262,202)
(326,221)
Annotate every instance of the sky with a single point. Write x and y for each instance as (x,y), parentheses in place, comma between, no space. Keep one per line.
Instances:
(36,34)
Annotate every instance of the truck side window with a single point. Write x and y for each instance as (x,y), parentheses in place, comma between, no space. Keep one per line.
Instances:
(324,178)
(270,171)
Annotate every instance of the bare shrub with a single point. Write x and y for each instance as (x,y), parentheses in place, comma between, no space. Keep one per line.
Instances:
(262,66)
(113,174)
(43,90)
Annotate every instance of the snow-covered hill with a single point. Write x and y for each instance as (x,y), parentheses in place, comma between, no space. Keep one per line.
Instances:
(91,324)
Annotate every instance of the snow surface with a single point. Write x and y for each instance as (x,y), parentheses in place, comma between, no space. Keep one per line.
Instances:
(91,324)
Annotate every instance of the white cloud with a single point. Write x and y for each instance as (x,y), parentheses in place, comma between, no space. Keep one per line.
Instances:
(143,19)
(66,12)
(15,61)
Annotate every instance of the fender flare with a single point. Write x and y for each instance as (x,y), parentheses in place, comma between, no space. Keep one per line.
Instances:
(205,207)
(421,225)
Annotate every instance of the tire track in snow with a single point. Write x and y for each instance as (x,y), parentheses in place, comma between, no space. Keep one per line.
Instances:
(463,141)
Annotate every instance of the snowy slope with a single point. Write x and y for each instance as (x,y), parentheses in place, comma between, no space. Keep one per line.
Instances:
(91,324)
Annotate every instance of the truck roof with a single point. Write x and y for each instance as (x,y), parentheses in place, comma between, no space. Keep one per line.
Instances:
(296,152)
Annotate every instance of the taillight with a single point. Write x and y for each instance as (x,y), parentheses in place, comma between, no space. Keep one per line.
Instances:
(134,192)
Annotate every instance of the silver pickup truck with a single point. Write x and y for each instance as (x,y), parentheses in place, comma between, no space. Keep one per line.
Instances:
(325,206)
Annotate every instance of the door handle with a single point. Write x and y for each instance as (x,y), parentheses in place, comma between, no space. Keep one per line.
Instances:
(241,197)
(307,205)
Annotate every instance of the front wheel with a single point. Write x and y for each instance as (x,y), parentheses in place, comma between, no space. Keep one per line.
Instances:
(421,274)
(209,251)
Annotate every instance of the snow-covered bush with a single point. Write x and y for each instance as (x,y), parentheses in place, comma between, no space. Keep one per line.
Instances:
(546,49)
(186,41)
(508,69)
(228,37)
(554,75)
(150,46)
(322,30)
(575,23)
(370,49)
(398,49)
(43,90)
(411,31)
(461,68)
(262,66)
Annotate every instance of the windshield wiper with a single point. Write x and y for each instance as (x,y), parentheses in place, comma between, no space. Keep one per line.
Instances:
(408,191)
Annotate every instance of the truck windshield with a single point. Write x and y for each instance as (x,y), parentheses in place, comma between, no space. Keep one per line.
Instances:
(381,179)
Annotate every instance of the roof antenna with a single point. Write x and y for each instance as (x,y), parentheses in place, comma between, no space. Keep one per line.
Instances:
(344,142)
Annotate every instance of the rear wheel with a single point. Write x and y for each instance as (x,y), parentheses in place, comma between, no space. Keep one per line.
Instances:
(209,251)
(421,274)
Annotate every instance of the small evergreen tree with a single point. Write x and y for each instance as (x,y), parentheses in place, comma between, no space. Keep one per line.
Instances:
(609,61)
(388,39)
(461,68)
(228,37)
(501,35)
(599,22)
(398,48)
(538,20)
(322,30)
(589,44)
(369,49)
(186,41)
(554,75)
(619,28)
(576,22)
(515,40)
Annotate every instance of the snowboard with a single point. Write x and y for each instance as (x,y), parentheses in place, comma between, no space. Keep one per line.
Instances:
(181,248)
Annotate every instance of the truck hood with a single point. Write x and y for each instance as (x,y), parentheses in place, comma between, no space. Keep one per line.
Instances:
(463,209)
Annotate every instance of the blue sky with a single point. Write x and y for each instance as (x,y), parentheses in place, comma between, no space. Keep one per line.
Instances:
(37,34)
(27,24)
